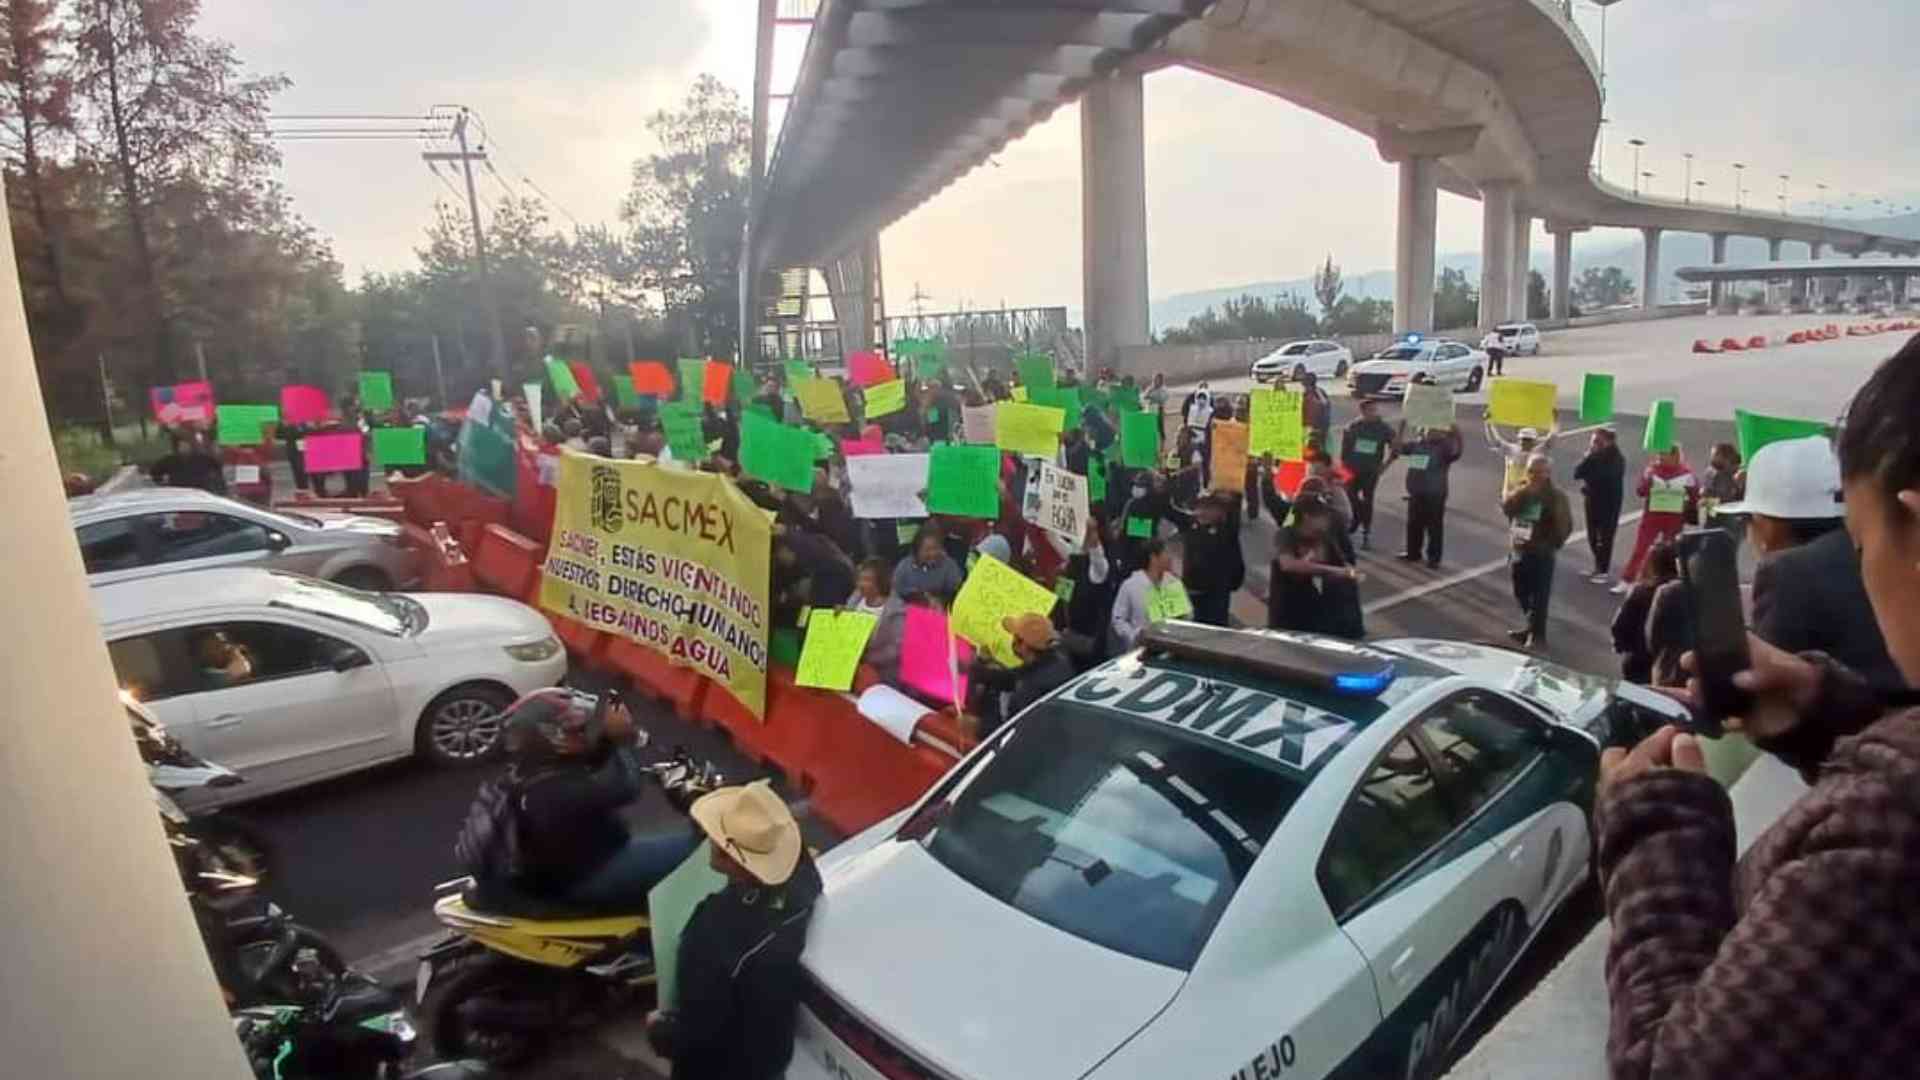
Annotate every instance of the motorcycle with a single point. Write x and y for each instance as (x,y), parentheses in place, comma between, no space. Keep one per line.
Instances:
(218,855)
(516,970)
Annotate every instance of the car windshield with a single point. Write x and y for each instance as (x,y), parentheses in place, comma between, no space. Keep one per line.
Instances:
(1507,331)
(1295,349)
(386,613)
(1402,352)
(1128,833)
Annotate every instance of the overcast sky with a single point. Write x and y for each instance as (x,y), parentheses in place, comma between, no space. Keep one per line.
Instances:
(1240,187)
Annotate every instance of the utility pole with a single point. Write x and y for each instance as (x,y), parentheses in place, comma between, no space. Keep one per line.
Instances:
(439,376)
(106,399)
(200,354)
(466,158)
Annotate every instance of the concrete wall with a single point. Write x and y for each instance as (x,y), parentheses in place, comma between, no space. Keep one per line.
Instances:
(1220,359)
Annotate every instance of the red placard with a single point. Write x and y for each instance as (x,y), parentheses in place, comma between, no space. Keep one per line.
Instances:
(583,378)
(869,369)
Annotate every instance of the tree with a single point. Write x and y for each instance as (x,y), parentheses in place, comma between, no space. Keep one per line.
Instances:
(1355,316)
(163,106)
(1247,317)
(1537,306)
(1456,303)
(1327,286)
(36,114)
(686,213)
(1603,288)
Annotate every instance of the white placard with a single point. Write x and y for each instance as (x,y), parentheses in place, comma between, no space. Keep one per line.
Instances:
(976,423)
(1056,500)
(887,485)
(480,409)
(896,713)
(246,474)
(533,391)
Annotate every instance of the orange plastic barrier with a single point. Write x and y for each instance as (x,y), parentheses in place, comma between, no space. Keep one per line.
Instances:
(681,688)
(1798,337)
(506,562)
(858,773)
(443,568)
(1701,345)
(1757,341)
(790,738)
(1731,345)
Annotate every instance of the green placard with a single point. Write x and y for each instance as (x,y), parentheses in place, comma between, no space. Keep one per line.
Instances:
(693,378)
(624,393)
(1596,398)
(400,446)
(1127,398)
(1140,527)
(1139,440)
(743,388)
(1659,438)
(1068,400)
(1036,372)
(964,480)
(241,425)
(562,378)
(796,370)
(683,429)
(776,453)
(1755,430)
(376,390)
(1097,478)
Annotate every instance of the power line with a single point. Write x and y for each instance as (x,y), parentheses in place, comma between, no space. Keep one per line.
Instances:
(524,178)
(349,116)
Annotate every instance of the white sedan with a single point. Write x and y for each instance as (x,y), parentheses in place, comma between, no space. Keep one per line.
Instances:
(1450,364)
(289,679)
(1295,359)
(1230,854)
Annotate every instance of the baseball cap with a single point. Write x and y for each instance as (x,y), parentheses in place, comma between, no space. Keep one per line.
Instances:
(1529,433)
(1792,478)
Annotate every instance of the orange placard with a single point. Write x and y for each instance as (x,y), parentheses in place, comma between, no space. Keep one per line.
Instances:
(717,381)
(651,377)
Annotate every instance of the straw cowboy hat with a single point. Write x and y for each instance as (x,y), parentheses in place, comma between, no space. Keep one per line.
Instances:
(754,827)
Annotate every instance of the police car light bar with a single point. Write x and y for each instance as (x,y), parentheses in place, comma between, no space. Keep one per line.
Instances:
(1303,660)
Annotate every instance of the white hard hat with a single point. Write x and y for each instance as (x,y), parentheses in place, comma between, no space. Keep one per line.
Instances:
(1793,478)
(1529,433)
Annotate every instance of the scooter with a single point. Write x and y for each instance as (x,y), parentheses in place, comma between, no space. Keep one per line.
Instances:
(515,971)
(218,855)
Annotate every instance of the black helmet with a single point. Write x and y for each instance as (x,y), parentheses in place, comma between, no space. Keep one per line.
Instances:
(553,721)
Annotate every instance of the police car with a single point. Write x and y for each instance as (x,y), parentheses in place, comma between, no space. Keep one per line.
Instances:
(1414,359)
(1236,854)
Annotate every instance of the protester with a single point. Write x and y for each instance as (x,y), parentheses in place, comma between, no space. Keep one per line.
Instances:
(1366,448)
(808,571)
(1210,558)
(1670,621)
(1130,614)
(1087,587)
(1312,586)
(1803,957)
(1496,351)
(1807,590)
(928,568)
(1155,397)
(1428,458)
(1602,474)
(1316,410)
(190,464)
(1044,667)
(739,959)
(1196,412)
(1630,619)
(872,587)
(1540,521)
(1514,454)
(1670,490)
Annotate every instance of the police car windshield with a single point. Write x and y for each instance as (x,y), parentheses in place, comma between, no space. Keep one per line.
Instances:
(1127,832)
(1403,352)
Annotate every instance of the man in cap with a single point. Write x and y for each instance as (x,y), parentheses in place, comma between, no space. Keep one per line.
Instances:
(1214,565)
(1044,668)
(1540,521)
(1514,454)
(1807,590)
(739,959)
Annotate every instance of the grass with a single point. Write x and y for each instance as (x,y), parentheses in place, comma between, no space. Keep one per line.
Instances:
(81,449)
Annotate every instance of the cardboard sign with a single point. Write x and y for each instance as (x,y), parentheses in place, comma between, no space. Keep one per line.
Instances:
(1427,405)
(686,435)
(1056,500)
(340,451)
(182,403)
(861,448)
(561,376)
(584,378)
(1036,372)
(1660,423)
(304,405)
(885,399)
(1522,403)
(1756,430)
(964,481)
(693,379)
(1229,456)
(376,390)
(869,369)
(532,392)
(246,474)
(822,402)
(831,656)
(651,377)
(624,393)
(715,383)
(1168,600)
(1596,398)
(244,425)
(993,592)
(1274,426)
(399,446)
(1028,429)
(1139,440)
(888,485)
(977,423)
(932,660)
(778,454)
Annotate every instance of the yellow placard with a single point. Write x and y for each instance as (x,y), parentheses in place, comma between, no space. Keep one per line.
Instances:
(835,640)
(1275,426)
(1229,456)
(1019,393)
(992,592)
(1522,403)
(1168,600)
(821,401)
(1028,429)
(887,398)
(673,560)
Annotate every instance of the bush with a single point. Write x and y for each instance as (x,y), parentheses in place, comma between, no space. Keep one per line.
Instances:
(80,449)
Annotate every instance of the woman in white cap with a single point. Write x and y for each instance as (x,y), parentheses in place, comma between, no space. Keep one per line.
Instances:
(739,960)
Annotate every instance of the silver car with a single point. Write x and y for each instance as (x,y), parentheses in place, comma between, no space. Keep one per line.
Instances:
(164,530)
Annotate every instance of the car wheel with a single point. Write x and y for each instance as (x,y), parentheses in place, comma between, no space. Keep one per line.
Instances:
(364,578)
(1473,380)
(462,726)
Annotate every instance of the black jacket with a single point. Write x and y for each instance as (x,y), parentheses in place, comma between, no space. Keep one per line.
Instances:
(569,819)
(1380,432)
(1210,560)
(1811,598)
(190,468)
(1442,449)
(1603,480)
(1630,634)
(740,981)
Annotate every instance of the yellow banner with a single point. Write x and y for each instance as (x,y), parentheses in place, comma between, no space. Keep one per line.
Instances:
(1028,429)
(885,399)
(993,591)
(1275,426)
(673,560)
(1229,456)
(1522,403)
(821,401)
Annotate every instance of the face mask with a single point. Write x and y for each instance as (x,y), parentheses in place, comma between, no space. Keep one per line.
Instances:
(1139,492)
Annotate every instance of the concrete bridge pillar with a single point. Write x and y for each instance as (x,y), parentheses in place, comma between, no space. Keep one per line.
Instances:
(1562,300)
(1797,292)
(1113,219)
(1522,265)
(1898,284)
(1414,246)
(1717,290)
(1650,269)
(1773,248)
(1816,249)
(1496,250)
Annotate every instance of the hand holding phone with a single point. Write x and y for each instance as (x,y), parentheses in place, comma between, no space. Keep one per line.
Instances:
(1710,571)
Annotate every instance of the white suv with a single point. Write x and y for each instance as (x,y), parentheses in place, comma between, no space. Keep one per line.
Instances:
(1325,359)
(1519,338)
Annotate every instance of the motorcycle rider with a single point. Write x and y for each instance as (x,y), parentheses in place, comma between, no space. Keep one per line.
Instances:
(739,958)
(571,773)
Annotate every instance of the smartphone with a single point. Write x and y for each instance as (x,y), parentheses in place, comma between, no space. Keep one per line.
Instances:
(1710,570)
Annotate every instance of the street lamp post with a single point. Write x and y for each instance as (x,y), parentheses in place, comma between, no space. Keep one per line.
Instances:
(1636,144)
(1822,188)
(1702,185)
(1739,178)
(1648,177)
(1783,194)
(1686,189)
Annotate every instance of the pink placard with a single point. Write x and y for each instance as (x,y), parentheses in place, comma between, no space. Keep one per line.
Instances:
(190,402)
(869,368)
(858,447)
(338,452)
(923,655)
(303,405)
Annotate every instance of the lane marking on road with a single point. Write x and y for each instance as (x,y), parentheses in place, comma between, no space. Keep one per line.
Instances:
(1462,576)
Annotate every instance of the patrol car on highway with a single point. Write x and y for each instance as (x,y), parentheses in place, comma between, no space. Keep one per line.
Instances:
(1413,359)
(1237,854)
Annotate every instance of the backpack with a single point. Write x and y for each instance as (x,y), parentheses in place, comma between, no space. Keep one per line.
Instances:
(489,845)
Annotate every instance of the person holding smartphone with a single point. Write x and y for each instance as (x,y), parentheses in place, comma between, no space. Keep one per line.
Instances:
(1804,958)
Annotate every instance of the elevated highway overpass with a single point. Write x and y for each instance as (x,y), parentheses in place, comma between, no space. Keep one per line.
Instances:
(1497,100)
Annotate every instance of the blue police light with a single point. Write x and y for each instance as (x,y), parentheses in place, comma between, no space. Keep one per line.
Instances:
(1414,337)
(1363,684)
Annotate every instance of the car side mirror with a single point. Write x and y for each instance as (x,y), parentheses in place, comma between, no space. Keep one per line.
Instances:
(278,540)
(346,658)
